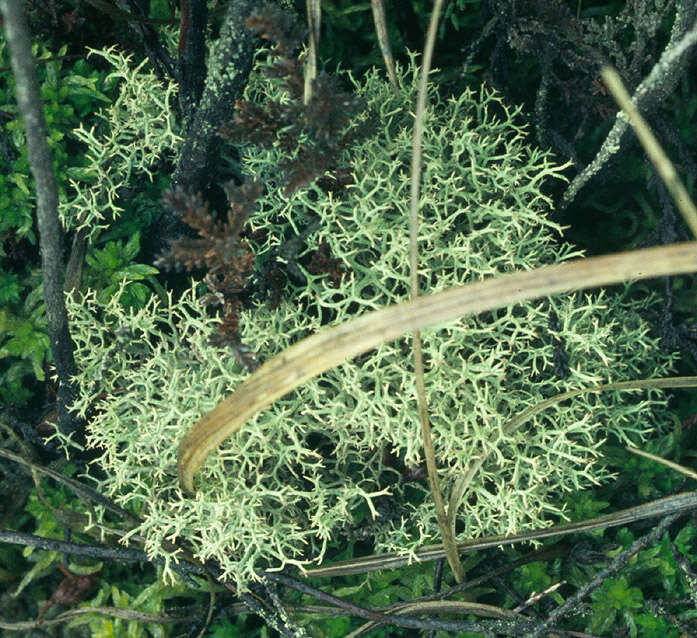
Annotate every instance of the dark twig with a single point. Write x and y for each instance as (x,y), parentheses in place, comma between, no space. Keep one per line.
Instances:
(229,67)
(192,51)
(572,602)
(519,627)
(84,492)
(437,582)
(647,96)
(122,554)
(162,63)
(686,568)
(544,553)
(226,77)
(658,609)
(280,612)
(114,612)
(50,232)
(257,605)
(119,14)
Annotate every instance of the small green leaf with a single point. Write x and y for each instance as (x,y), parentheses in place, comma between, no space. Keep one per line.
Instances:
(138,271)
(21,182)
(10,288)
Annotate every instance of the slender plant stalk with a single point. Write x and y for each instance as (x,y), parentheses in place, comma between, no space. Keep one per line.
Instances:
(314,18)
(653,149)
(676,504)
(384,41)
(461,608)
(83,492)
(459,491)
(673,466)
(447,533)
(328,348)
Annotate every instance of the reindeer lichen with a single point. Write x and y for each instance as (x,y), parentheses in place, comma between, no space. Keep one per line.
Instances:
(138,130)
(344,446)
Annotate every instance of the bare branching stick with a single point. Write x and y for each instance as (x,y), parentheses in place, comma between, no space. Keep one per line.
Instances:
(402,619)
(101,552)
(82,491)
(30,627)
(653,149)
(458,607)
(318,353)
(617,563)
(659,82)
(229,64)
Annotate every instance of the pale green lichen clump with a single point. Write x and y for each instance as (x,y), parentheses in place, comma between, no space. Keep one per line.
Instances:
(306,470)
(137,130)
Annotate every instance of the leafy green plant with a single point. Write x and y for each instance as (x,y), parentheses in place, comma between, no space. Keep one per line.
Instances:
(374,591)
(535,578)
(41,509)
(113,264)
(652,575)
(89,172)
(24,342)
(649,626)
(615,597)
(348,30)
(150,600)
(647,478)
(69,95)
(228,629)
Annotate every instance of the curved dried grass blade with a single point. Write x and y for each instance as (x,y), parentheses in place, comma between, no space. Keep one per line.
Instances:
(318,353)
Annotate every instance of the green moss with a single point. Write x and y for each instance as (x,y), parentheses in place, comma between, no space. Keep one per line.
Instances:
(70,94)
(279,491)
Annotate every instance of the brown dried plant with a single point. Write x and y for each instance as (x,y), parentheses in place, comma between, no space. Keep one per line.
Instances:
(313,132)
